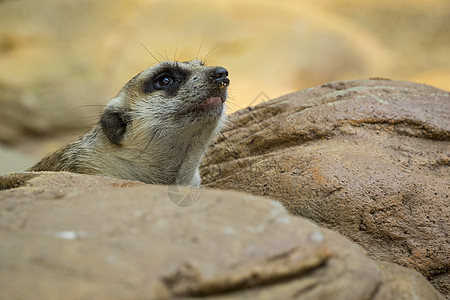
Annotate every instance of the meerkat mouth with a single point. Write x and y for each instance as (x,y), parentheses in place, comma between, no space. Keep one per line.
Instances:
(210,103)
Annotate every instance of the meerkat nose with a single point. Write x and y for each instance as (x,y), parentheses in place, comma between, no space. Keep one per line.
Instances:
(219,77)
(219,72)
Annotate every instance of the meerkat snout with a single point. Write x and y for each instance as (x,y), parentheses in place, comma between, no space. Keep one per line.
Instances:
(156,129)
(219,77)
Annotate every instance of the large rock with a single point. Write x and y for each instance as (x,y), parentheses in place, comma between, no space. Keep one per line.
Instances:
(71,236)
(367,158)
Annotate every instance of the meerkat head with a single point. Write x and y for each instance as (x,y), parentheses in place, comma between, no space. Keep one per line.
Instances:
(156,129)
(181,97)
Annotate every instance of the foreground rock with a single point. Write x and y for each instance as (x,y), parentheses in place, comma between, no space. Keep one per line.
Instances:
(368,158)
(70,236)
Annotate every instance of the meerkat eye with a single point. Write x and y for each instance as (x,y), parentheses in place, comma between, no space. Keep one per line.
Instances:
(163,81)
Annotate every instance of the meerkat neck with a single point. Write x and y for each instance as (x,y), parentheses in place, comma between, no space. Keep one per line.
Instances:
(171,157)
(179,155)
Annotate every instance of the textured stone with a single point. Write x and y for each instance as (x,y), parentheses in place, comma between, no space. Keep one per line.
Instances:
(72,236)
(400,283)
(368,158)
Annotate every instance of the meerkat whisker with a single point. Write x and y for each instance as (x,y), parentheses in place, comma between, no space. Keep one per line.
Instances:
(201,44)
(204,60)
(157,60)
(176,50)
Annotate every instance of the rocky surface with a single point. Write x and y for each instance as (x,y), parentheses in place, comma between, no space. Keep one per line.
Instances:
(368,158)
(71,236)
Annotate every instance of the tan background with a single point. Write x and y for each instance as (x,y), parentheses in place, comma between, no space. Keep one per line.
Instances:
(58,57)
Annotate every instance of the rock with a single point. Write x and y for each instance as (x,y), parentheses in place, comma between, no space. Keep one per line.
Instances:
(367,158)
(41,111)
(12,160)
(17,117)
(72,236)
(396,282)
(401,283)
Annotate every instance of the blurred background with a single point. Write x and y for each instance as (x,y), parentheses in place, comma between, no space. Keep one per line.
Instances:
(62,60)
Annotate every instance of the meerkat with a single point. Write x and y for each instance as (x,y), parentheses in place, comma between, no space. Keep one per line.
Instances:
(156,130)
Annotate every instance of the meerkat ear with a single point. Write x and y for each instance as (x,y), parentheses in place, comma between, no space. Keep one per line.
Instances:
(114,123)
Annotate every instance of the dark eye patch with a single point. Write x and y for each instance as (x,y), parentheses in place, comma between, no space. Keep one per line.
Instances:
(163,81)
(169,79)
